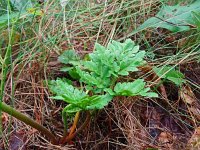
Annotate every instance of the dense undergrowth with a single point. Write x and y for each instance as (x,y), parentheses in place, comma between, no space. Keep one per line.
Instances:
(37,33)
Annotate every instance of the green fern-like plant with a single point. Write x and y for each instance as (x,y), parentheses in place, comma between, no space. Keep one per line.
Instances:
(98,76)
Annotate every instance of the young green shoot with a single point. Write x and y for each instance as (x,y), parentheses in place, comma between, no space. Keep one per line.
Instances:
(99,75)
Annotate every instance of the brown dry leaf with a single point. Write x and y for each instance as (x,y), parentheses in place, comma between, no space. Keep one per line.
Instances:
(17,141)
(166,139)
(189,98)
(187,95)
(4,118)
(163,91)
(194,142)
(153,77)
(196,112)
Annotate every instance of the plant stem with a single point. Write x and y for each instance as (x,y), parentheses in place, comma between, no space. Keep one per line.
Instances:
(77,116)
(11,111)
(70,137)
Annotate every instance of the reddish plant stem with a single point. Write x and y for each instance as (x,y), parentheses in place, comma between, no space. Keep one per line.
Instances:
(77,116)
(71,136)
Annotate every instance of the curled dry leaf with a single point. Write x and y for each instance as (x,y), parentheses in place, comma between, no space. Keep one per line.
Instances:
(187,95)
